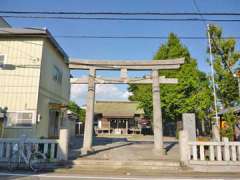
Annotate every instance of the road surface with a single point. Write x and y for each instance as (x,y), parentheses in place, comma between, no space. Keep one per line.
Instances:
(54,176)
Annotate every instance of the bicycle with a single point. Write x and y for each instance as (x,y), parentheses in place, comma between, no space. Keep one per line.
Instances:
(21,153)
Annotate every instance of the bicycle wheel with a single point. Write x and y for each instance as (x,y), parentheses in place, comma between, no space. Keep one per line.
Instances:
(37,161)
(13,161)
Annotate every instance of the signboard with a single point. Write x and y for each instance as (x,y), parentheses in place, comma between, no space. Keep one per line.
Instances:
(56,106)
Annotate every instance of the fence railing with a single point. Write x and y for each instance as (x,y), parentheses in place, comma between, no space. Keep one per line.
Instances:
(48,147)
(214,151)
(54,149)
(209,152)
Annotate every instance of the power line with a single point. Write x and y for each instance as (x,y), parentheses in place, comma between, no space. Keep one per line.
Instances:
(213,40)
(135,37)
(117,37)
(123,13)
(119,18)
(199,12)
(212,68)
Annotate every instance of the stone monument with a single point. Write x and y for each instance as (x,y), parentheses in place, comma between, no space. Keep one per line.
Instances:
(189,124)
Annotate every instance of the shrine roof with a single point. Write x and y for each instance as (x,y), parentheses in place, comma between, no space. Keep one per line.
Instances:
(118,108)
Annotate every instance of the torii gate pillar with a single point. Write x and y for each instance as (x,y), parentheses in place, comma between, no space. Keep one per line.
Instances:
(88,130)
(157,113)
(154,66)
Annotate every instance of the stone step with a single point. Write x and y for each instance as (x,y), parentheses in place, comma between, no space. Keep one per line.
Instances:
(137,165)
(113,162)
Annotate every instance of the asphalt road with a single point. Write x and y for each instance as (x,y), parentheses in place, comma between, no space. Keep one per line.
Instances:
(53,176)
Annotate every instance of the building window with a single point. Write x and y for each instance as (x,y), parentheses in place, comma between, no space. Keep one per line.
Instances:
(2,60)
(57,74)
(20,119)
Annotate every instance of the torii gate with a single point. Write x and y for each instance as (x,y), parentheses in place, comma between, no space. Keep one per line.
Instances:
(124,66)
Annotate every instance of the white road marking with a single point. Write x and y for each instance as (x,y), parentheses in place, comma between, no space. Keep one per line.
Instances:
(99,177)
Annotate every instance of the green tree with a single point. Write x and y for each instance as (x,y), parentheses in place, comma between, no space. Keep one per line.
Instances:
(72,106)
(225,55)
(230,122)
(191,94)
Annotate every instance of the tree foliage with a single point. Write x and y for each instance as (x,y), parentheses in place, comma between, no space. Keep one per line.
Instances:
(225,56)
(191,94)
(72,106)
(230,122)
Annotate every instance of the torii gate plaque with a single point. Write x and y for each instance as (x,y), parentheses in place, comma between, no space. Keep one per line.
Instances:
(124,66)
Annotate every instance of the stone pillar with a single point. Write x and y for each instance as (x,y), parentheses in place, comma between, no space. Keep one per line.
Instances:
(63,144)
(183,147)
(157,113)
(226,150)
(126,127)
(216,130)
(109,126)
(189,124)
(88,130)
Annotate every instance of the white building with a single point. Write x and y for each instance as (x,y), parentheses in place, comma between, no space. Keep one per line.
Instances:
(34,82)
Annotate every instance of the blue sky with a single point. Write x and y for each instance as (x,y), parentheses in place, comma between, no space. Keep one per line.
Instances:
(123,48)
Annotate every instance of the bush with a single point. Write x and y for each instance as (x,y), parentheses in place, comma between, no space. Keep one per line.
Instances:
(228,129)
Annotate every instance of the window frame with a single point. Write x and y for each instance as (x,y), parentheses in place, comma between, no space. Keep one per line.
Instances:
(21,126)
(59,72)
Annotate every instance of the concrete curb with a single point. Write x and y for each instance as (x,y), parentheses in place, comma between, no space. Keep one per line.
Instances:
(153,166)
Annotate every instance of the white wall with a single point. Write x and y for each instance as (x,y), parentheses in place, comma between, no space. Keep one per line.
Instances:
(19,87)
(26,88)
(51,91)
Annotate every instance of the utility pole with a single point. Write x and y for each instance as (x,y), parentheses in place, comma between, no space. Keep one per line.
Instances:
(238,78)
(215,128)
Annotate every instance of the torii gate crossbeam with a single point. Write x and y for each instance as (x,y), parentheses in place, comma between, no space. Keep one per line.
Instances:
(124,66)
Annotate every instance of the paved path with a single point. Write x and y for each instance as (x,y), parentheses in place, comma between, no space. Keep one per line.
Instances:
(127,148)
